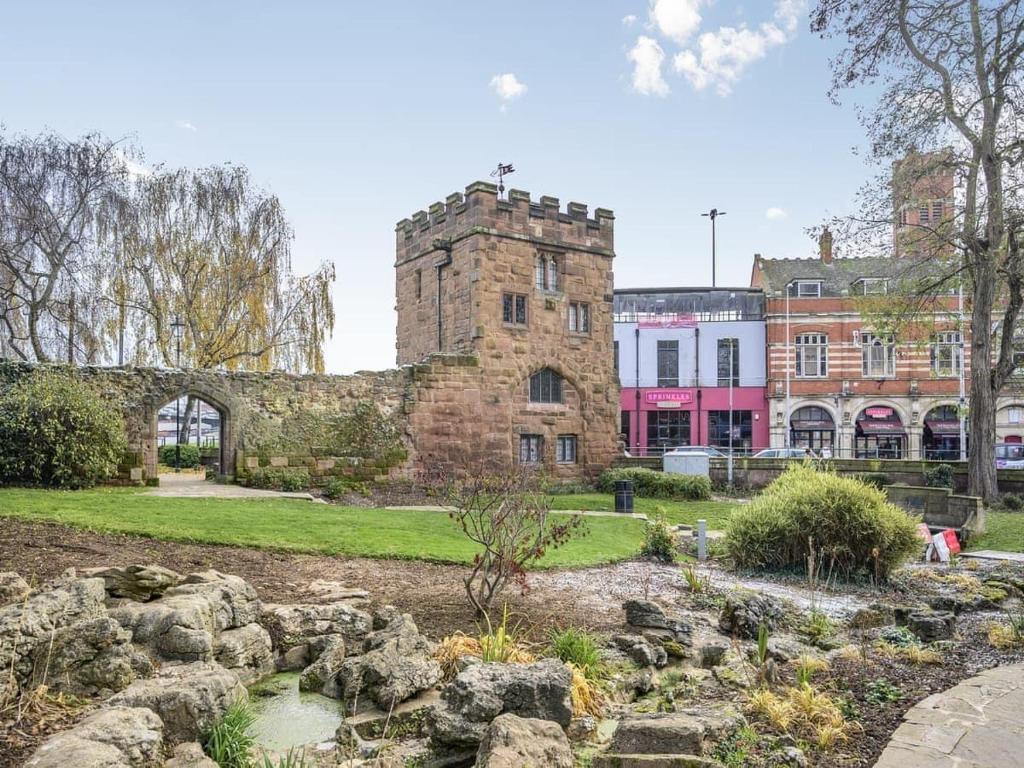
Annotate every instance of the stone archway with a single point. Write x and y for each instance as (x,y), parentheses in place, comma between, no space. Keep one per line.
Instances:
(219,401)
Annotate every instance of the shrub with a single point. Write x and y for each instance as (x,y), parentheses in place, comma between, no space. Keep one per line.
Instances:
(659,542)
(56,431)
(278,478)
(577,647)
(648,483)
(339,486)
(189,456)
(940,476)
(877,479)
(845,525)
(229,741)
(1012,501)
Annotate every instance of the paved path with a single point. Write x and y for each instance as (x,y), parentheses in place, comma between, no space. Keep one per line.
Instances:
(976,724)
(189,485)
(995,554)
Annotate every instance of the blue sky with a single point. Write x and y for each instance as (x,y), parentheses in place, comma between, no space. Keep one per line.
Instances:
(358,114)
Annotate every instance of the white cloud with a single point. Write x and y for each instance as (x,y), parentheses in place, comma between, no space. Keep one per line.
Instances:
(185,125)
(629,20)
(775,214)
(720,58)
(647,58)
(676,19)
(134,168)
(507,87)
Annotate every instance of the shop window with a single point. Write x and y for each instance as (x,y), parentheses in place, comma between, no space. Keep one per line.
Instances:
(742,429)
(811,355)
(545,387)
(668,429)
(947,353)
(513,308)
(668,363)
(579,317)
(728,362)
(531,449)
(565,452)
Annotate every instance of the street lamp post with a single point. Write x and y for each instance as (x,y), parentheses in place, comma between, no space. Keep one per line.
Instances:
(786,438)
(713,214)
(732,351)
(177,327)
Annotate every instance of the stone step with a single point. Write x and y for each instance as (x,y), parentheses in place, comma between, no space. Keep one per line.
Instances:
(621,760)
(405,719)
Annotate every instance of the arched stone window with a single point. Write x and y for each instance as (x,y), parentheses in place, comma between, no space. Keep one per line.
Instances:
(546,273)
(542,271)
(545,387)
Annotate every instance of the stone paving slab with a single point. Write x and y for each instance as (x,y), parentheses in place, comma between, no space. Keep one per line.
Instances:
(995,554)
(188,485)
(976,724)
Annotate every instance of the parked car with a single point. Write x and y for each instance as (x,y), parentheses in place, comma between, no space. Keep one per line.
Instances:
(1009,456)
(785,453)
(707,450)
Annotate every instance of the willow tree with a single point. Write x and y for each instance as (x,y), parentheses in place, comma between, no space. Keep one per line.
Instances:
(945,83)
(59,200)
(211,248)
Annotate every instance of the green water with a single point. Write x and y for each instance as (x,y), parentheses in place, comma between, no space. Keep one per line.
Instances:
(287,717)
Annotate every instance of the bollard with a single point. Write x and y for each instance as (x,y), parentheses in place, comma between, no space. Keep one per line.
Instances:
(702,540)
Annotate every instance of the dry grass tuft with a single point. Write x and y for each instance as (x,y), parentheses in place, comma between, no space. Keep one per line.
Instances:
(587,697)
(804,712)
(1004,637)
(914,654)
(453,648)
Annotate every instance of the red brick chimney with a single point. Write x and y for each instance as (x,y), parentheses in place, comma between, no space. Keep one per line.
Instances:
(825,246)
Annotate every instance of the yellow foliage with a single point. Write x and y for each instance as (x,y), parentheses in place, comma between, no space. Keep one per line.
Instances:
(587,698)
(453,648)
(1004,637)
(804,712)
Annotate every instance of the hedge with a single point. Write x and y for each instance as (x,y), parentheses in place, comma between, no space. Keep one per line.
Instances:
(648,483)
(189,455)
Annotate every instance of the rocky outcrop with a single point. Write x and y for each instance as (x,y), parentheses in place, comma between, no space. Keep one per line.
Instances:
(322,674)
(745,612)
(930,626)
(246,651)
(26,625)
(683,738)
(189,755)
(641,651)
(13,588)
(119,737)
(395,665)
(291,626)
(512,742)
(188,697)
(91,658)
(649,618)
(484,691)
(136,582)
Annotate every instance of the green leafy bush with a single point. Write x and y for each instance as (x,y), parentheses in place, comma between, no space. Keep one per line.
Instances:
(846,523)
(649,483)
(56,431)
(278,478)
(659,542)
(1012,501)
(229,741)
(877,479)
(577,647)
(339,486)
(189,456)
(940,476)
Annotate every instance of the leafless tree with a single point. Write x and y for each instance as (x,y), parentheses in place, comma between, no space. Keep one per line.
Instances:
(58,201)
(503,510)
(944,80)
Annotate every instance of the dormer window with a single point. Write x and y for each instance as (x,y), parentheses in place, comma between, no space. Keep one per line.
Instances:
(547,272)
(805,288)
(871,286)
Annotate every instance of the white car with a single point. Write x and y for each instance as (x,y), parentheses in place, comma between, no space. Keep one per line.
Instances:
(785,453)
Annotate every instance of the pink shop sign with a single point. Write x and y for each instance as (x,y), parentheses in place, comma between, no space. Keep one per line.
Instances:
(669,397)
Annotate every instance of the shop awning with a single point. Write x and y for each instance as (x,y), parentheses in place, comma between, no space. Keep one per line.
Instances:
(817,424)
(880,427)
(943,427)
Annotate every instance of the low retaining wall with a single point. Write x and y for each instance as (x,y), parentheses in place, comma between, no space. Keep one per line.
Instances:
(321,469)
(940,507)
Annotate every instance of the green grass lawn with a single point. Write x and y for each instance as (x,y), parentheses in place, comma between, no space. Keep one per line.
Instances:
(1003,530)
(297,526)
(675,512)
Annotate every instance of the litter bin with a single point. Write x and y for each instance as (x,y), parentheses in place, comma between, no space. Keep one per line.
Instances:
(624,496)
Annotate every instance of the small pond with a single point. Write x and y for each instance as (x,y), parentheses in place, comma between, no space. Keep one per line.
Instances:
(287,717)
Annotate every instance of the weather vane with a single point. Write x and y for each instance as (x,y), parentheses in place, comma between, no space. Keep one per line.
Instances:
(500,173)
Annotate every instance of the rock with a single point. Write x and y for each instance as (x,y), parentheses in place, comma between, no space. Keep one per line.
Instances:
(582,729)
(188,697)
(788,757)
(711,655)
(119,737)
(189,755)
(13,588)
(136,582)
(90,658)
(395,666)
(641,651)
(647,615)
(178,628)
(641,682)
(234,601)
(27,624)
(782,650)
(478,695)
(511,741)
(292,625)
(930,626)
(659,734)
(744,612)
(321,675)
(874,616)
(733,670)
(294,659)
(334,591)
(246,651)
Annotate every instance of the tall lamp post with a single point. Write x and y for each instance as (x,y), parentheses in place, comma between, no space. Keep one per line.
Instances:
(177,327)
(713,214)
(789,353)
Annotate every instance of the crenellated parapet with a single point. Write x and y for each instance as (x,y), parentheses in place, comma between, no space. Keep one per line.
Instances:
(479,210)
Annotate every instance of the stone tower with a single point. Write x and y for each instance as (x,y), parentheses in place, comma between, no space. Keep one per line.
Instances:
(521,293)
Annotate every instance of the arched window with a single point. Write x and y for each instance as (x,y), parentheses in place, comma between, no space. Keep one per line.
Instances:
(545,387)
(552,274)
(546,273)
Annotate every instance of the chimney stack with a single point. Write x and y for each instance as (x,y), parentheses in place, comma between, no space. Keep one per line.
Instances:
(825,246)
